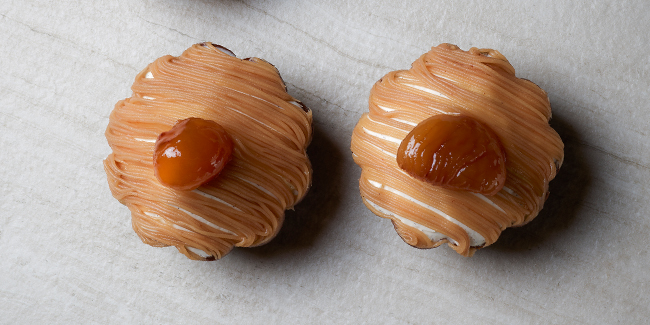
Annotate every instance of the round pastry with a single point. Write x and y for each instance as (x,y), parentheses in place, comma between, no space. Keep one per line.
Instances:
(456,149)
(208,152)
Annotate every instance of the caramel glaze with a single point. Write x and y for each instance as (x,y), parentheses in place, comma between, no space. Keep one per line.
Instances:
(481,84)
(269,170)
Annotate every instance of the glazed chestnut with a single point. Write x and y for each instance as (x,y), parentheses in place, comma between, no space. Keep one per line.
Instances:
(455,152)
(192,153)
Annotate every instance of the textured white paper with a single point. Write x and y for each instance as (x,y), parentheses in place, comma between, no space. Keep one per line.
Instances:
(68,253)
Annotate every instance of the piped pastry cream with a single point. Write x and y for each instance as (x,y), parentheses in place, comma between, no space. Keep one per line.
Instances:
(251,135)
(456,149)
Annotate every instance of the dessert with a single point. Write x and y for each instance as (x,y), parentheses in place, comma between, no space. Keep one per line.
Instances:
(456,149)
(208,152)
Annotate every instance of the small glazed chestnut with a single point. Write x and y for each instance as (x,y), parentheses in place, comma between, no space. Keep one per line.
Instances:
(192,153)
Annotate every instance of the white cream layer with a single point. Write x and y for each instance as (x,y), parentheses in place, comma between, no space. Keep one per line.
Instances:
(432,234)
(195,250)
(211,197)
(202,220)
(475,238)
(428,90)
(198,252)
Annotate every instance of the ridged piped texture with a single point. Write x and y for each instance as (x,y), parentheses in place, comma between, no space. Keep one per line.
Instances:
(269,170)
(481,84)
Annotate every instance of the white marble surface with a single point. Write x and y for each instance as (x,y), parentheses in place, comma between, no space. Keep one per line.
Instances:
(68,253)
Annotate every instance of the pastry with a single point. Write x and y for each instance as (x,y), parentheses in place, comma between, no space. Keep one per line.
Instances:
(456,149)
(208,152)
